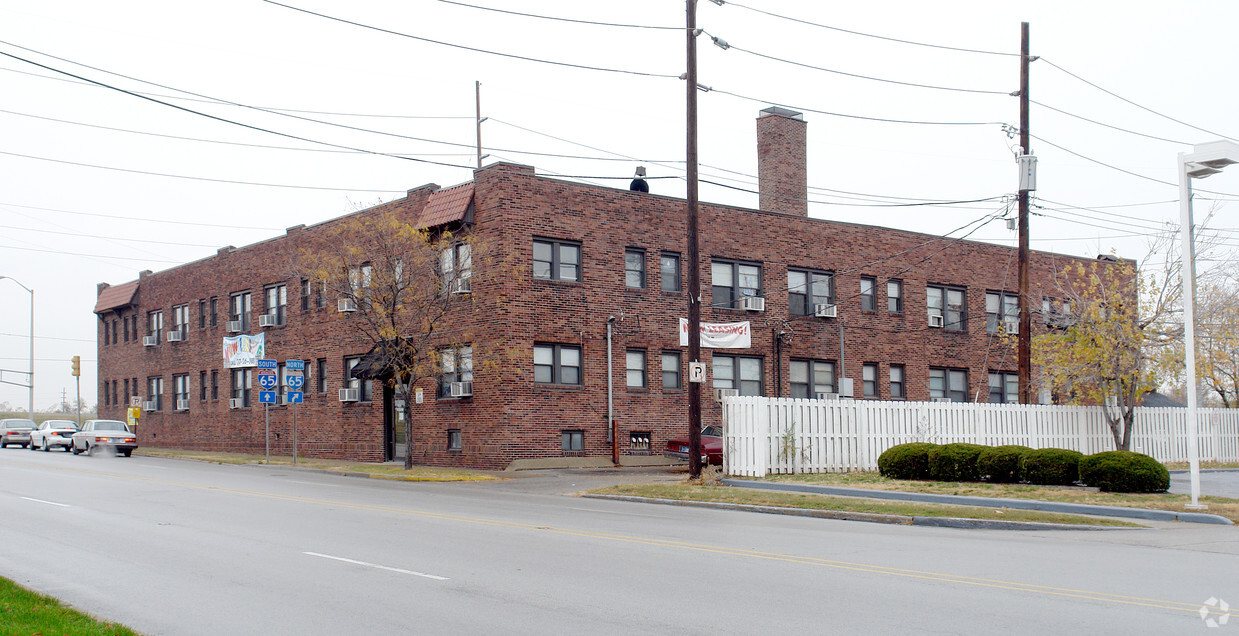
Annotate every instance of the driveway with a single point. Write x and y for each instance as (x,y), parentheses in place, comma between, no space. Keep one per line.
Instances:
(1217,483)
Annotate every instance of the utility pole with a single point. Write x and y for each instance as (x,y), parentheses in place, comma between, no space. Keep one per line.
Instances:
(694,267)
(1024,355)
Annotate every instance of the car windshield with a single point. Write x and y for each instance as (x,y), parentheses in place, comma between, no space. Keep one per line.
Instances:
(712,430)
(110,425)
(59,424)
(19,424)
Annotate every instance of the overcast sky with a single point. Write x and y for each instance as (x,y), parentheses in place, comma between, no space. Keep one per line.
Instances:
(76,208)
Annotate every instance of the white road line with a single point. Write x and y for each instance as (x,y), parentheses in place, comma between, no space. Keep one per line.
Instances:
(375,565)
(50,503)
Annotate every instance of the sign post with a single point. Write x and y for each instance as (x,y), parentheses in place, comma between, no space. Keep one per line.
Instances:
(267,381)
(294,379)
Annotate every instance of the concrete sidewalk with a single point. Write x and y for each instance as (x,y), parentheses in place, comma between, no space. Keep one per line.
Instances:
(987,502)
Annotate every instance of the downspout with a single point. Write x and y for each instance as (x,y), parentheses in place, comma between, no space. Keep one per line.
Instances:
(611,431)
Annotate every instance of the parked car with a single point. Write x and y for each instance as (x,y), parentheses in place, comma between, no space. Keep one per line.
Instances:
(15,431)
(112,434)
(711,447)
(53,433)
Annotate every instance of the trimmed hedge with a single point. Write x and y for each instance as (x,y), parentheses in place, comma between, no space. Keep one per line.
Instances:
(1124,471)
(906,461)
(1051,466)
(955,462)
(1001,464)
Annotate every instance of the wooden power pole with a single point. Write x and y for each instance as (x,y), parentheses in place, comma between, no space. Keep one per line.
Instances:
(694,267)
(1024,355)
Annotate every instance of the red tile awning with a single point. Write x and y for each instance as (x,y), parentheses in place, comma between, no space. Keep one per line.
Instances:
(116,296)
(447,205)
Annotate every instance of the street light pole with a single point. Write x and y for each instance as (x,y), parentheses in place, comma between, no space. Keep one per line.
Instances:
(30,377)
(1204,160)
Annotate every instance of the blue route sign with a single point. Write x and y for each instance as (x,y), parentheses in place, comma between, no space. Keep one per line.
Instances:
(268,377)
(266,397)
(294,374)
(294,397)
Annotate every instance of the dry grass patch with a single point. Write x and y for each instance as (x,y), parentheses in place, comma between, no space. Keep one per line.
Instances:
(378,471)
(686,491)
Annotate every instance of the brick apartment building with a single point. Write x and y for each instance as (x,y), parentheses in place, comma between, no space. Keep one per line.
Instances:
(918,315)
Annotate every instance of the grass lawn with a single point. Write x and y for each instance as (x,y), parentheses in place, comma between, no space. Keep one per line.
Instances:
(25,612)
(685,491)
(378,471)
(1228,508)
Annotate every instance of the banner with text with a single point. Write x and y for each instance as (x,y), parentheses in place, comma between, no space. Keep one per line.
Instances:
(720,335)
(244,351)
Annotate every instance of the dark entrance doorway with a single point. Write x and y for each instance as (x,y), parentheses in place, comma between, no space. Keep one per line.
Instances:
(393,425)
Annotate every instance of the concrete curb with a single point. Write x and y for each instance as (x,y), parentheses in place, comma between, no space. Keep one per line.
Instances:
(869,517)
(989,502)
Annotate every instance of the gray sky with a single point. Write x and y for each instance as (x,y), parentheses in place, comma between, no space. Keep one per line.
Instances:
(66,227)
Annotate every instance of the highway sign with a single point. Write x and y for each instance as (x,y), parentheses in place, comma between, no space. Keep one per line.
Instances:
(266,397)
(294,374)
(294,397)
(267,375)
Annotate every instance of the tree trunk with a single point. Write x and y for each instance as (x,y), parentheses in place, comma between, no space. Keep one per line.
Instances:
(408,432)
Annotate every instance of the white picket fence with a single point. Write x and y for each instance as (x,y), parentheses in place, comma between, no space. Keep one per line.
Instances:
(784,436)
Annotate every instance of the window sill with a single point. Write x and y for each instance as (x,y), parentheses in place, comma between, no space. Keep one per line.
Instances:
(636,389)
(559,387)
(556,281)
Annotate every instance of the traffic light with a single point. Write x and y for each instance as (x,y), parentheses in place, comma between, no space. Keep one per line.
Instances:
(77,365)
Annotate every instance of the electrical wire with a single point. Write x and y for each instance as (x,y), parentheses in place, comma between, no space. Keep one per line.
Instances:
(559,19)
(100,256)
(470,48)
(135,218)
(874,205)
(105,238)
(861,117)
(1129,172)
(1110,126)
(37,337)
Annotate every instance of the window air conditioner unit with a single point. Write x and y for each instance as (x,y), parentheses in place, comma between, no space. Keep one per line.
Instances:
(941,399)
(936,322)
(233,326)
(719,394)
(826,395)
(753,303)
(461,286)
(149,405)
(1011,326)
(175,336)
(346,305)
(182,405)
(825,310)
(350,395)
(236,403)
(150,341)
(460,389)
(268,320)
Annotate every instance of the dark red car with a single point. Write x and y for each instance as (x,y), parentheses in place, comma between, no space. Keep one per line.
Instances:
(711,447)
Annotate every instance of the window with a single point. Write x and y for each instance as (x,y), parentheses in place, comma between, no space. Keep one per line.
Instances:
(743,373)
(350,382)
(894,296)
(868,293)
(634,268)
(639,441)
(214,311)
(359,279)
(948,383)
(899,389)
(671,371)
(276,301)
(154,321)
(114,340)
(947,302)
(106,396)
(180,389)
(572,441)
(202,386)
(807,288)
(669,271)
(154,391)
(455,365)
(556,364)
(125,320)
(1004,387)
(202,305)
(242,381)
(126,388)
(869,380)
(307,292)
(810,377)
(635,366)
(106,336)
(456,263)
(556,260)
(180,319)
(240,305)
(114,402)
(281,378)
(1002,308)
(321,374)
(733,280)
(453,439)
(214,384)
(1055,314)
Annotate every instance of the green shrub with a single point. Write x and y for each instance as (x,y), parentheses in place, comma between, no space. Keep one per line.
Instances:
(1124,471)
(906,461)
(1050,466)
(1001,464)
(954,462)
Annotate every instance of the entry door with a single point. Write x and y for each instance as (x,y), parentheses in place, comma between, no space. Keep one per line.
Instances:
(393,425)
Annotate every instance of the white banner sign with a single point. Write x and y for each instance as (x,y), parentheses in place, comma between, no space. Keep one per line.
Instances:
(720,335)
(244,351)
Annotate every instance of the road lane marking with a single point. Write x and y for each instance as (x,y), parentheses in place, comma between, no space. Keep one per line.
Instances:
(1032,588)
(50,503)
(377,566)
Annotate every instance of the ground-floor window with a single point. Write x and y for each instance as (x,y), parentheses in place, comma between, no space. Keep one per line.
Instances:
(242,381)
(948,383)
(742,373)
(810,377)
(572,441)
(453,439)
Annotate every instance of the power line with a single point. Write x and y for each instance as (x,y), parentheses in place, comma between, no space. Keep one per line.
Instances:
(135,218)
(871,205)
(1112,167)
(102,256)
(469,48)
(105,238)
(37,337)
(861,117)
(559,19)
(1093,121)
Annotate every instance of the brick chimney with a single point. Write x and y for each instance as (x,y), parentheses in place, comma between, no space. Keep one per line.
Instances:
(782,168)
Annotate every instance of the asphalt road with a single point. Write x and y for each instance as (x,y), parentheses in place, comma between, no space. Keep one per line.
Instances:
(1218,483)
(174,547)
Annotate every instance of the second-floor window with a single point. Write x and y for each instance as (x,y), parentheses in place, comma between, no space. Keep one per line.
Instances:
(180,319)
(240,305)
(634,268)
(733,280)
(669,271)
(1002,310)
(307,293)
(949,304)
(155,320)
(456,263)
(808,288)
(894,296)
(868,293)
(556,260)
(276,302)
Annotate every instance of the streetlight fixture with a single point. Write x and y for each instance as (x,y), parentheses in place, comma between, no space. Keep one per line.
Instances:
(1204,160)
(30,377)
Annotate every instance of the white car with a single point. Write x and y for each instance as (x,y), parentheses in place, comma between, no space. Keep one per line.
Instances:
(53,433)
(107,434)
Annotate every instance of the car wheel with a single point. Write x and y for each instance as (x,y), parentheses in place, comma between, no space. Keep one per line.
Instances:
(126,453)
(73,449)
(46,447)
(90,450)
(32,446)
